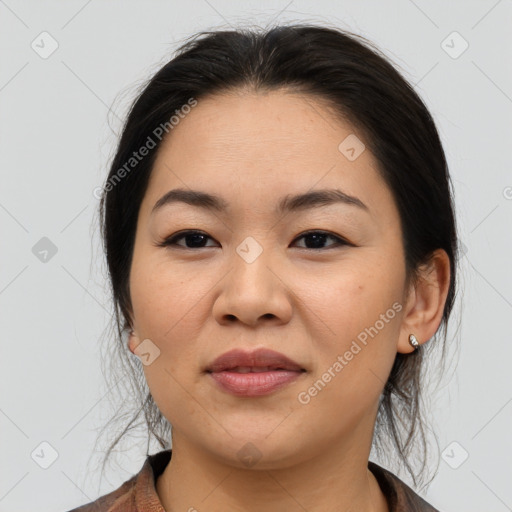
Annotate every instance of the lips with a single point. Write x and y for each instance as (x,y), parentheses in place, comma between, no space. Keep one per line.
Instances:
(253,374)
(260,360)
(253,384)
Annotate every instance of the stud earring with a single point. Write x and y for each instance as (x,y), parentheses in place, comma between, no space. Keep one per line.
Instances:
(414,342)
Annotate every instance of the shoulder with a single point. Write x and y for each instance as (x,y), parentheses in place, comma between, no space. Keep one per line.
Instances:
(401,498)
(122,496)
(136,494)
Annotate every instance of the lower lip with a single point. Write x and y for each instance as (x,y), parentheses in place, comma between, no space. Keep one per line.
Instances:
(254,384)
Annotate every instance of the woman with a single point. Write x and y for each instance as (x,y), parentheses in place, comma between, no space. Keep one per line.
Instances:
(280,235)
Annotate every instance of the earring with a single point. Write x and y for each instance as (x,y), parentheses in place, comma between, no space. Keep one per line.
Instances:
(414,342)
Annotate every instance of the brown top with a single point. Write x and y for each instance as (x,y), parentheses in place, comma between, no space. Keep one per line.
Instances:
(138,494)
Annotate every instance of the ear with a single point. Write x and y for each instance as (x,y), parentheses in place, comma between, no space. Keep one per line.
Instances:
(133,341)
(426,301)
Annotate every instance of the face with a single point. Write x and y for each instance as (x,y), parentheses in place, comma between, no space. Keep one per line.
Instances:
(320,282)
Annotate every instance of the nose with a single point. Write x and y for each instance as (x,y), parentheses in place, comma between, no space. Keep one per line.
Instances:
(253,293)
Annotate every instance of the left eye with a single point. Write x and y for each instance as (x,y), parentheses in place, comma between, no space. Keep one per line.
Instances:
(197,239)
(319,237)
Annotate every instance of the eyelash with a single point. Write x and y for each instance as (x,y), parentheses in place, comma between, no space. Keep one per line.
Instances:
(171,241)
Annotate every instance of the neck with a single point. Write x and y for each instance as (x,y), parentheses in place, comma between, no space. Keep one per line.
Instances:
(333,480)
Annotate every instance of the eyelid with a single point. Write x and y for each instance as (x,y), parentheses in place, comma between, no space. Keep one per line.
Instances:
(340,241)
(170,240)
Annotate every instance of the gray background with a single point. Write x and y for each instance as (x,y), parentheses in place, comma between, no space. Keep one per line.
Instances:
(56,137)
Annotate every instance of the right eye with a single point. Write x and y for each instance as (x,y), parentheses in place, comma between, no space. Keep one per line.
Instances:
(195,238)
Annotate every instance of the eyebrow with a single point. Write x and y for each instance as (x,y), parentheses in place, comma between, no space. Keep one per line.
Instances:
(289,203)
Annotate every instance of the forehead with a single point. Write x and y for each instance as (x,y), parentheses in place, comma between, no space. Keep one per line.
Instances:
(254,146)
(263,129)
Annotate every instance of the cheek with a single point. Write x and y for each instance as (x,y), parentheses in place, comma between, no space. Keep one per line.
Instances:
(361,314)
(167,310)
(164,300)
(349,301)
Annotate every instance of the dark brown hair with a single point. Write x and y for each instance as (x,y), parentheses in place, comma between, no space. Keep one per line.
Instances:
(362,86)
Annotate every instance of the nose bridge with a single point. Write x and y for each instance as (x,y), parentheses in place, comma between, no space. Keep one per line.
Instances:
(253,288)
(251,267)
(251,264)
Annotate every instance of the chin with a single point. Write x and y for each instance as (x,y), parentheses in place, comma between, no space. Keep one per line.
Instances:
(259,452)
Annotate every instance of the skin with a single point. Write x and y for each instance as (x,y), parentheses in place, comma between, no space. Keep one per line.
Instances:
(309,304)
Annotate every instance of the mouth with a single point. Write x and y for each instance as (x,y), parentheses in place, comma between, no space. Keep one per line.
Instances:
(252,374)
(257,361)
(257,369)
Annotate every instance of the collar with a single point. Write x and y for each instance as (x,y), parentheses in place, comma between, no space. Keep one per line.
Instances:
(139,493)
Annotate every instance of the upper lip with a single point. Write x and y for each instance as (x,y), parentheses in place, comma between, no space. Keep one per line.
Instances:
(257,358)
